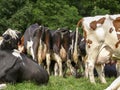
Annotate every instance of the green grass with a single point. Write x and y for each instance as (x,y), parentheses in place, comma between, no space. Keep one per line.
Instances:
(59,83)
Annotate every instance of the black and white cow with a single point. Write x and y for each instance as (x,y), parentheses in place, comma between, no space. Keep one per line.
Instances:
(31,40)
(77,52)
(60,47)
(36,42)
(17,67)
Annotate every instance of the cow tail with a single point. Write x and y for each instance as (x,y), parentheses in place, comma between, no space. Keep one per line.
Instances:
(78,24)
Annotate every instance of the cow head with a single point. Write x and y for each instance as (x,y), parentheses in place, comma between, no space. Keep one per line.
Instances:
(10,39)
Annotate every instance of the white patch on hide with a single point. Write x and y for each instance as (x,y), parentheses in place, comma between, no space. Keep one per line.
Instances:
(100,33)
(12,33)
(1,40)
(82,39)
(16,53)
(118,32)
(30,48)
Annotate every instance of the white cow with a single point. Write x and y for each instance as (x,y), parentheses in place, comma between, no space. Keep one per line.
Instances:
(102,34)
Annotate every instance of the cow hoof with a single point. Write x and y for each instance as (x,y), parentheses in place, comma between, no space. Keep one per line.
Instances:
(104,82)
(3,86)
(93,83)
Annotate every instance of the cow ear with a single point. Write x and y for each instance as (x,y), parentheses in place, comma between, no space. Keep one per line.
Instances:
(93,25)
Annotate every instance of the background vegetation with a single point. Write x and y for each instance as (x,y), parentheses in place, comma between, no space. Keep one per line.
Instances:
(19,14)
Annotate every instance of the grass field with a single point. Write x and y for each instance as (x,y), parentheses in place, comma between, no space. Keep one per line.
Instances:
(59,83)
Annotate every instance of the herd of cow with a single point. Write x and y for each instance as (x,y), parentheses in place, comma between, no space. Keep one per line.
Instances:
(41,51)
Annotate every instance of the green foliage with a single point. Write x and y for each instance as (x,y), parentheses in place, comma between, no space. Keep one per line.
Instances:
(20,14)
(55,14)
(98,11)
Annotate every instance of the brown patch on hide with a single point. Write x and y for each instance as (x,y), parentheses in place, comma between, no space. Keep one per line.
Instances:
(101,21)
(116,24)
(83,28)
(79,22)
(84,32)
(88,46)
(89,41)
(111,30)
(93,25)
(118,35)
(75,57)
(117,44)
(42,49)
(63,54)
(21,45)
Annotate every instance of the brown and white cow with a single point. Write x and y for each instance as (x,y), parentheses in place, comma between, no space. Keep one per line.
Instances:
(102,34)
(60,47)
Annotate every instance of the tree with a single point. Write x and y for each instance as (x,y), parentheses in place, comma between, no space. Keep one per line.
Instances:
(20,14)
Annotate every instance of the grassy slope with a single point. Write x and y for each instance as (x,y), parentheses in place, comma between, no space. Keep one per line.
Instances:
(59,83)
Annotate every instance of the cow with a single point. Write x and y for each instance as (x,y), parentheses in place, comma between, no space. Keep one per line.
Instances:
(17,67)
(60,47)
(102,42)
(72,47)
(32,34)
(76,52)
(36,42)
(45,44)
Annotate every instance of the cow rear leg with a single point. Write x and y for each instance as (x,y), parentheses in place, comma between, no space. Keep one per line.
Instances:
(56,69)
(86,70)
(100,71)
(48,62)
(90,71)
(71,68)
(59,61)
(118,68)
